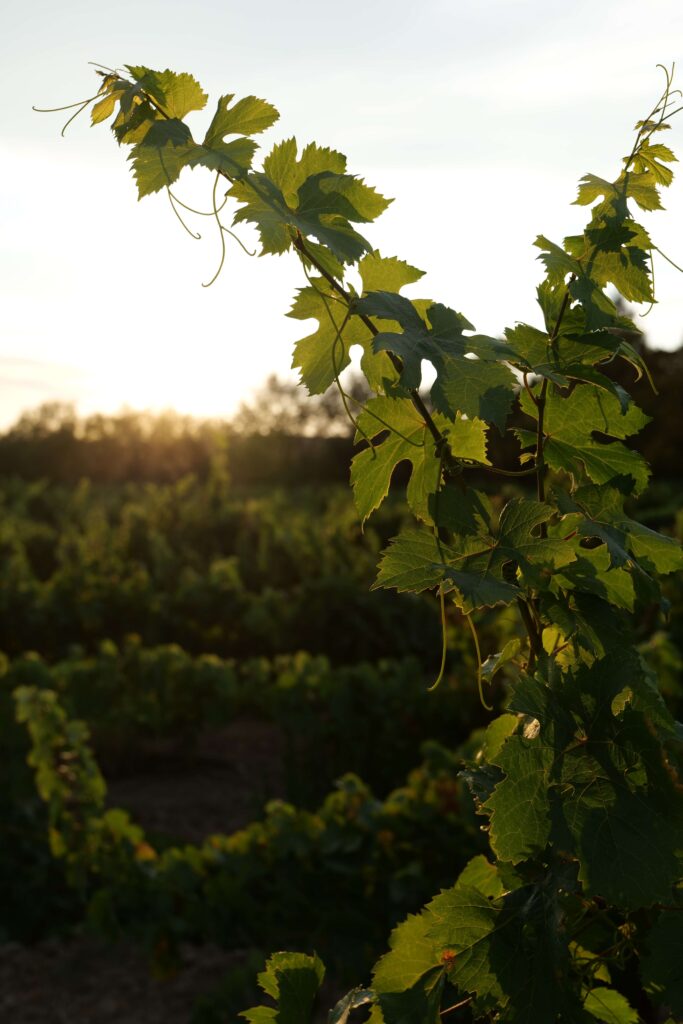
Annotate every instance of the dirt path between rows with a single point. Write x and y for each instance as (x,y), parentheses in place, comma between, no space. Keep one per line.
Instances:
(82,981)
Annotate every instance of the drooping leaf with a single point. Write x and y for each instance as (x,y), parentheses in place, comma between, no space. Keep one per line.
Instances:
(354,999)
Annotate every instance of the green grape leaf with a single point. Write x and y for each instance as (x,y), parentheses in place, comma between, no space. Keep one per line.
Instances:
(498,730)
(617,250)
(408,440)
(467,438)
(378,272)
(653,157)
(605,790)
(412,562)
(311,195)
(628,270)
(662,964)
(260,1015)
(519,807)
(232,158)
(104,108)
(465,512)
(642,187)
(386,273)
(264,206)
(566,359)
(473,565)
(288,173)
(249,116)
(598,309)
(161,155)
(532,353)
(476,588)
(321,356)
(569,426)
(133,121)
(293,980)
(608,1005)
(415,561)
(601,515)
(478,387)
(479,873)
(408,981)
(177,94)
(449,935)
(591,187)
(557,262)
(499,946)
(593,573)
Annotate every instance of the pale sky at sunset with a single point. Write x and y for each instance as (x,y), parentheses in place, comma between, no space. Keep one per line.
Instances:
(478,118)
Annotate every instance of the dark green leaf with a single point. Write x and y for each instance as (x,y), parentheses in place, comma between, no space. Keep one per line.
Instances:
(293,980)
(662,966)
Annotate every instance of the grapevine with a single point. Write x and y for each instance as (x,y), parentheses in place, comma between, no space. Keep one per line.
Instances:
(578,782)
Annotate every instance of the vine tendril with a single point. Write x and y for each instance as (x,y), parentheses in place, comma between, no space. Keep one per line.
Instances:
(82,104)
(190,232)
(444,641)
(477,648)
(223,230)
(200,213)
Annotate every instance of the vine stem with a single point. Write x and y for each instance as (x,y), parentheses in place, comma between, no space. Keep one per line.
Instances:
(540,405)
(535,642)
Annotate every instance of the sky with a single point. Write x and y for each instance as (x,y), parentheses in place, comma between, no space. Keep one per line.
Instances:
(478,118)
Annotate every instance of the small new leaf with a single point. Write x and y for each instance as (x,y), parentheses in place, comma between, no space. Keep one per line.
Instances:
(293,980)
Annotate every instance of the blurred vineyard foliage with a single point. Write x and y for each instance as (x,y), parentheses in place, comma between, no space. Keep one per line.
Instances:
(163,579)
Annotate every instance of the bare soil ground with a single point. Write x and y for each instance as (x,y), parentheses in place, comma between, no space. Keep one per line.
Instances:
(81,981)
